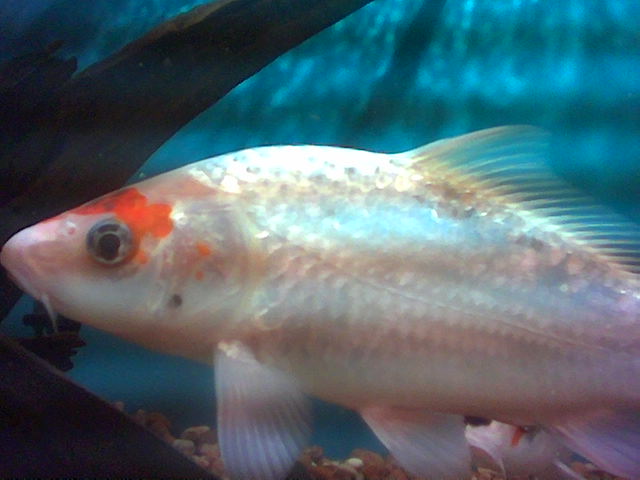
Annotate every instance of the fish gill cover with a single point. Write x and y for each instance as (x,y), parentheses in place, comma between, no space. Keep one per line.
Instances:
(390,77)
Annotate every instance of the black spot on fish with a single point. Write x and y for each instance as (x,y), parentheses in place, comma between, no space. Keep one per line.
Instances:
(537,245)
(175,301)
(532,242)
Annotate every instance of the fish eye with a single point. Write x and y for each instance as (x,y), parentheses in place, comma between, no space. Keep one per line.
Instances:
(110,242)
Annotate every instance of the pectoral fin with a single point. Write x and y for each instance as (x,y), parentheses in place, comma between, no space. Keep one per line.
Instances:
(427,444)
(263,417)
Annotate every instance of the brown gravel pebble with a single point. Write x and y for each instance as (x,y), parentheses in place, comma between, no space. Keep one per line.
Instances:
(398,474)
(485,474)
(355,463)
(375,472)
(160,425)
(140,416)
(217,468)
(200,444)
(202,461)
(368,458)
(374,466)
(158,418)
(185,446)
(333,471)
(312,456)
(209,450)
(199,434)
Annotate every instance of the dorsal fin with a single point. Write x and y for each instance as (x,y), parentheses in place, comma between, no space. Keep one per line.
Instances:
(508,165)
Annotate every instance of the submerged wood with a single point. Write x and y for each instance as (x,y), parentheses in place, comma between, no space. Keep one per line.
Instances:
(111,117)
(53,428)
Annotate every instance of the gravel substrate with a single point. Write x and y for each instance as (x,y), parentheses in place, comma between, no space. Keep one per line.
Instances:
(200,444)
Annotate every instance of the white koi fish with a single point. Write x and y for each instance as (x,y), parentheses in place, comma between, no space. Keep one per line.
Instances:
(458,279)
(520,453)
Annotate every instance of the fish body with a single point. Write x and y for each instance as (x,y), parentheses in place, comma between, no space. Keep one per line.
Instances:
(460,278)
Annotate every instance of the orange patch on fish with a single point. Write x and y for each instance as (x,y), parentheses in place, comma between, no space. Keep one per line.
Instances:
(203,249)
(517,436)
(132,208)
(199,275)
(192,187)
(141,257)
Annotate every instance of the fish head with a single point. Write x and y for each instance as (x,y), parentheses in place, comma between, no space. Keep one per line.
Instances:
(157,254)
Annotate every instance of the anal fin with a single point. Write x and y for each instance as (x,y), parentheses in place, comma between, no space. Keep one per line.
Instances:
(536,453)
(608,438)
(427,444)
(263,417)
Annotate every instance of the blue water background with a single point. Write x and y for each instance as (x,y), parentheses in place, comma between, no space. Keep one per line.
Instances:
(390,77)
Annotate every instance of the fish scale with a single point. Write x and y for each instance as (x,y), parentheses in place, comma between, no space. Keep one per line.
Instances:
(302,287)
(329,240)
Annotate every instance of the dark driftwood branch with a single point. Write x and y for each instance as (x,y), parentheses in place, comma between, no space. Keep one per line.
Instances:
(53,428)
(114,115)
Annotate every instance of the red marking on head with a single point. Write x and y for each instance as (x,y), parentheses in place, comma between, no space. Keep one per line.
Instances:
(141,257)
(132,208)
(199,275)
(111,202)
(203,249)
(193,187)
(517,436)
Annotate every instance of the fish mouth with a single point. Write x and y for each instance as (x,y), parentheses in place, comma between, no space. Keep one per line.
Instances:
(14,257)
(19,273)
(21,281)
(24,284)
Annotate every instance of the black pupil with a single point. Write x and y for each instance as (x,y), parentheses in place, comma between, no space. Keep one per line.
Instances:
(109,246)
(109,242)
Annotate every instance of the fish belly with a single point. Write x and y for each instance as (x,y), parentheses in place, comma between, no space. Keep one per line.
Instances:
(449,363)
